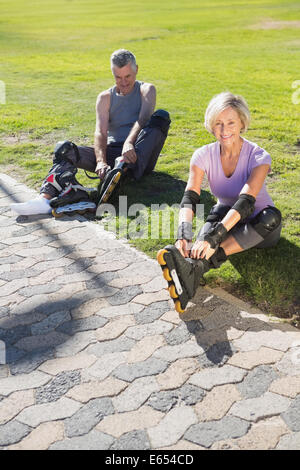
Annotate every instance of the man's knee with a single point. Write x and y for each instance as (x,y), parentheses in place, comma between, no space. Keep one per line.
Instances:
(266,221)
(66,150)
(160,119)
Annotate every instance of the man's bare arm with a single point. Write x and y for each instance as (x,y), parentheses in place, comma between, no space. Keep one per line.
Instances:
(148,93)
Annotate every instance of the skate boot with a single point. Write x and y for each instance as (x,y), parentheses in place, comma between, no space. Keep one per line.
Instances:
(183,275)
(111,180)
(73,199)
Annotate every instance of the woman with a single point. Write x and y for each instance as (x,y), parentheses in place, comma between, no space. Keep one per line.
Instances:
(244,216)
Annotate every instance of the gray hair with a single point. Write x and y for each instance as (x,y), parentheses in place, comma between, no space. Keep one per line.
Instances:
(122,57)
(223,101)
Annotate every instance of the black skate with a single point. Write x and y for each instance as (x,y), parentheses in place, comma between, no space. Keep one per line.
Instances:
(184,275)
(111,180)
(74,199)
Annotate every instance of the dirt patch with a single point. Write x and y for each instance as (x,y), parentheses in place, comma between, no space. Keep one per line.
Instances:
(272,24)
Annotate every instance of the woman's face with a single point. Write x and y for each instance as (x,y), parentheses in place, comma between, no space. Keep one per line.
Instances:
(227,127)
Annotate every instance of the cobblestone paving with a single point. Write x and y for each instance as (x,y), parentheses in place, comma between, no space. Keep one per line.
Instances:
(93,355)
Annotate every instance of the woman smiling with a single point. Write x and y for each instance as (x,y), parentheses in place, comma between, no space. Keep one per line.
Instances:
(244,216)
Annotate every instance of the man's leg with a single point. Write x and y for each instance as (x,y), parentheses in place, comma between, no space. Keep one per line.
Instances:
(150,142)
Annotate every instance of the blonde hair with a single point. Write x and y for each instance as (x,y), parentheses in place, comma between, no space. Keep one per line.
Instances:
(223,101)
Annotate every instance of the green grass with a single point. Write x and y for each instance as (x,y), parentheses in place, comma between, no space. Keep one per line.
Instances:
(54,60)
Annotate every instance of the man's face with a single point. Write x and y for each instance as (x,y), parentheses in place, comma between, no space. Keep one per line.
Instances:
(125,78)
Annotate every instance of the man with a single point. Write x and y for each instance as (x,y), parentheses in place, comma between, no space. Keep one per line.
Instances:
(126,127)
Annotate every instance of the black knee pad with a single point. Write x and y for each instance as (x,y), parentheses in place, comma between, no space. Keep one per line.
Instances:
(161,120)
(266,221)
(217,213)
(62,149)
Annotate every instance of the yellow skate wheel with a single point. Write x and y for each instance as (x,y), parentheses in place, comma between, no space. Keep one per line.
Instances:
(172,291)
(178,307)
(160,257)
(166,274)
(56,215)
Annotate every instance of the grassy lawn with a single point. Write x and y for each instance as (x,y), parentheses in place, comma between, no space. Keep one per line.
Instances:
(54,60)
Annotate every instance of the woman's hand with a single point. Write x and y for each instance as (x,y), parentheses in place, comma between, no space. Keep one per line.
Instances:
(201,249)
(184,246)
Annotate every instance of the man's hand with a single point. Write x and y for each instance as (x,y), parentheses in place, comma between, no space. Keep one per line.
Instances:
(101,169)
(128,152)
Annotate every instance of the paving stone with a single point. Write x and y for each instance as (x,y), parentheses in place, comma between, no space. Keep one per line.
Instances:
(177,373)
(16,402)
(205,434)
(75,344)
(58,387)
(41,437)
(217,402)
(12,432)
(157,327)
(272,339)
(50,323)
(12,286)
(37,414)
(145,348)
(94,440)
(79,265)
(58,365)
(172,427)
(89,308)
(39,289)
(134,440)
(164,400)
(290,363)
(171,316)
(103,367)
(13,335)
(30,361)
(23,382)
(172,353)
(262,435)
(257,382)
(49,340)
(152,312)
(155,285)
(248,360)
(291,416)
(130,372)
(82,324)
(149,298)
(86,418)
(10,259)
(114,328)
(289,442)
(120,282)
(288,386)
(216,355)
(182,444)
(101,280)
(209,378)
(178,335)
(253,409)
(124,295)
(96,389)
(135,394)
(119,310)
(122,423)
(115,345)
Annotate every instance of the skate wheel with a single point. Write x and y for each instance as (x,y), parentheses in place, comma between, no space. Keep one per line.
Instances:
(56,215)
(166,274)
(172,291)
(160,257)
(178,307)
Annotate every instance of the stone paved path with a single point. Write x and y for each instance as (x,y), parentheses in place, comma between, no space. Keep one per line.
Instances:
(93,355)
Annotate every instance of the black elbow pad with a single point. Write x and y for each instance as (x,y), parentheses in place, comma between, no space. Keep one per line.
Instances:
(244,205)
(190,199)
